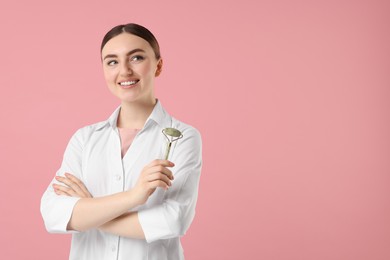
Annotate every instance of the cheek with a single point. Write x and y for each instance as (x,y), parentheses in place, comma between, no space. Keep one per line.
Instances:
(148,69)
(109,75)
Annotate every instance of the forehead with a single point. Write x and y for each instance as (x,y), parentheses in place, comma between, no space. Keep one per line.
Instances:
(125,42)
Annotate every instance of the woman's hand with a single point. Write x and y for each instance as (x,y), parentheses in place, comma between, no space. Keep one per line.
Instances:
(74,187)
(154,175)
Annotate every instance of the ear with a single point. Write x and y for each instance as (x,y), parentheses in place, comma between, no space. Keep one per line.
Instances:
(159,67)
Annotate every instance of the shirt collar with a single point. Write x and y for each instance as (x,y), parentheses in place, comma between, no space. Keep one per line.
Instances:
(158,115)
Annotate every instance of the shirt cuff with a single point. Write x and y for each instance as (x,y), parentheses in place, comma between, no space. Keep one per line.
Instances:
(57,218)
(154,224)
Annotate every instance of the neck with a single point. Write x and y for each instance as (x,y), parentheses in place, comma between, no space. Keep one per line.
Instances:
(133,115)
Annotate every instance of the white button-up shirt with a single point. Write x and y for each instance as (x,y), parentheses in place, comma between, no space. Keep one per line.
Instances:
(94,156)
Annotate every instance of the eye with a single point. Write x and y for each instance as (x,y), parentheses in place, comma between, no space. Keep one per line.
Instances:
(111,62)
(137,58)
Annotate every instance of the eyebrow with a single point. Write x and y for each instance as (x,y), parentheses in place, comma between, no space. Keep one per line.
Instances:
(128,54)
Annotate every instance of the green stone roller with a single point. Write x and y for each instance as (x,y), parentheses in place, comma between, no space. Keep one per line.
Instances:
(172,135)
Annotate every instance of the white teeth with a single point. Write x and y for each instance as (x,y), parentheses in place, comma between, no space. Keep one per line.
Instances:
(128,83)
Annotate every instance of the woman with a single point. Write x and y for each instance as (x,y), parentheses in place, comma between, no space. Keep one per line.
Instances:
(114,191)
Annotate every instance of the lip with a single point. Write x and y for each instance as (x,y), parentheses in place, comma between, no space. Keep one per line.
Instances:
(128,86)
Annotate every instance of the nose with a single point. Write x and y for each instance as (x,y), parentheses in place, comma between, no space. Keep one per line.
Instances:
(126,69)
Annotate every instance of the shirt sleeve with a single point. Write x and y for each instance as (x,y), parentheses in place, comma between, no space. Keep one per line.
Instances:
(173,217)
(57,210)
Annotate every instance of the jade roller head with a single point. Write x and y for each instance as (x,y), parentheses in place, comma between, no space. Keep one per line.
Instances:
(172,135)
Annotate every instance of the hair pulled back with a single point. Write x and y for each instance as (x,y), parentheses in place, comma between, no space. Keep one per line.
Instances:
(135,29)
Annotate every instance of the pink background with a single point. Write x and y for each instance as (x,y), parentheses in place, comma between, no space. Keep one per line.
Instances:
(291,98)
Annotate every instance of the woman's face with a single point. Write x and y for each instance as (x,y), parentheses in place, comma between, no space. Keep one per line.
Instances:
(130,66)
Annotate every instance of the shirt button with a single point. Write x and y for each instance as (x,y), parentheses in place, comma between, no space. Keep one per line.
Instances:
(118,177)
(113,248)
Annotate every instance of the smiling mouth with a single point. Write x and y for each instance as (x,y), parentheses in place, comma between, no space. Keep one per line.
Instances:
(128,83)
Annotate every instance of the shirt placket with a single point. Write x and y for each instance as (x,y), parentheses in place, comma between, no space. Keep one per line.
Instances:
(118,181)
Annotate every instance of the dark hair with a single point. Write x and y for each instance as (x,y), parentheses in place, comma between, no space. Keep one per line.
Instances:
(134,29)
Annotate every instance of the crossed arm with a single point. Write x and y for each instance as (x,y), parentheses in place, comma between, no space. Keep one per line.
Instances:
(92,212)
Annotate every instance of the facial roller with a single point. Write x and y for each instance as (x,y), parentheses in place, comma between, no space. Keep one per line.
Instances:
(172,135)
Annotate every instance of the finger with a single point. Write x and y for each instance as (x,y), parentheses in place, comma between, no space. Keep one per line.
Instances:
(162,162)
(64,190)
(158,184)
(162,169)
(79,183)
(159,177)
(68,182)
(58,192)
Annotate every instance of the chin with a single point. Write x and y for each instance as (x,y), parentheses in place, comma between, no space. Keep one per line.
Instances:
(129,98)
